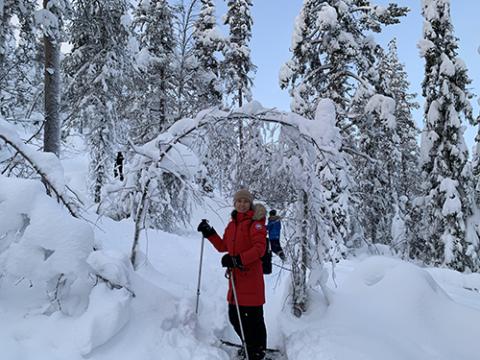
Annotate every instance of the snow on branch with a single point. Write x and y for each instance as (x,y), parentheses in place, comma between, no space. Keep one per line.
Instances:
(46,165)
(158,156)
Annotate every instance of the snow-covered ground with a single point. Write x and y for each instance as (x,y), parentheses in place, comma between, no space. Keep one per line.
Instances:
(380,308)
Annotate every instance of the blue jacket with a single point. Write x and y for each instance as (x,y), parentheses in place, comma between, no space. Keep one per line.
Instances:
(274,225)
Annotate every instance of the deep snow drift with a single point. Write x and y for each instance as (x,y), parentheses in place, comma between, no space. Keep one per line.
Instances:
(380,308)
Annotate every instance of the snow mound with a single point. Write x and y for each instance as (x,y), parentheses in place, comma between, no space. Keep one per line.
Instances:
(107,313)
(111,265)
(387,309)
(34,226)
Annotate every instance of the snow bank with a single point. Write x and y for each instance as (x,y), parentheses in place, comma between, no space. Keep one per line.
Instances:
(107,314)
(112,265)
(385,309)
(34,226)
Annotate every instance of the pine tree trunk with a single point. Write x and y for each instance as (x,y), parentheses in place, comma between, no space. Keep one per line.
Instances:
(51,137)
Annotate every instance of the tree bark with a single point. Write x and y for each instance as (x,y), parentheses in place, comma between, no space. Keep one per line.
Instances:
(300,295)
(138,219)
(51,137)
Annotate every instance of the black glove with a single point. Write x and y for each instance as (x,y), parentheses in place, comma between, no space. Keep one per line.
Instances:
(231,261)
(205,228)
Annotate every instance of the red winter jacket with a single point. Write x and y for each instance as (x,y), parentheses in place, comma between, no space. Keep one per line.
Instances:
(246,237)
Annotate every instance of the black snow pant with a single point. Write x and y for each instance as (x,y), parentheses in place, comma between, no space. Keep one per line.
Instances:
(253,328)
(277,248)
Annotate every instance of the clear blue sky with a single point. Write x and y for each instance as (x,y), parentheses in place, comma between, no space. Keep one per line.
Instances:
(271,39)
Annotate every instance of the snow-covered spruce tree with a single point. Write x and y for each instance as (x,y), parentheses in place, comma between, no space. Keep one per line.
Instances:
(237,68)
(405,173)
(330,49)
(52,18)
(475,166)
(97,68)
(185,89)
(21,77)
(384,191)
(7,46)
(155,85)
(268,176)
(237,64)
(378,143)
(445,207)
(207,41)
(396,86)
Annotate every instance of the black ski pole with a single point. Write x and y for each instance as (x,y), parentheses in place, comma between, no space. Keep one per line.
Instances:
(199,274)
(244,344)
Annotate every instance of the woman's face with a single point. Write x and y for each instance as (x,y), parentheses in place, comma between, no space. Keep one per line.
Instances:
(242,205)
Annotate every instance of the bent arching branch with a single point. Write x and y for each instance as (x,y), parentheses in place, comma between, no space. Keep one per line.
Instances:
(41,173)
(208,119)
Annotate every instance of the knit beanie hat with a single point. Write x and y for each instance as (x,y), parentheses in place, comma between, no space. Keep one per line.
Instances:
(243,194)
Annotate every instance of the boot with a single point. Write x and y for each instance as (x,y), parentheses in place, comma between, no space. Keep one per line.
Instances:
(257,353)
(241,354)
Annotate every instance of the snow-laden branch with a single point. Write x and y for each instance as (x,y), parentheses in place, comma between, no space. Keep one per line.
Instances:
(321,133)
(42,163)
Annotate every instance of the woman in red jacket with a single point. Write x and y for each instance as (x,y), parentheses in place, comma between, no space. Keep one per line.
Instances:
(244,241)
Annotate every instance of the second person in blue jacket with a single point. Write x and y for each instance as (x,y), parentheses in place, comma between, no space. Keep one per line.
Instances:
(274,226)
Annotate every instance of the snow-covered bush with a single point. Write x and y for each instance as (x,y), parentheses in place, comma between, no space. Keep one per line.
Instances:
(41,243)
(162,169)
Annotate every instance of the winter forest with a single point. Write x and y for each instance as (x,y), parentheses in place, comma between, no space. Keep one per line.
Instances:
(123,123)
